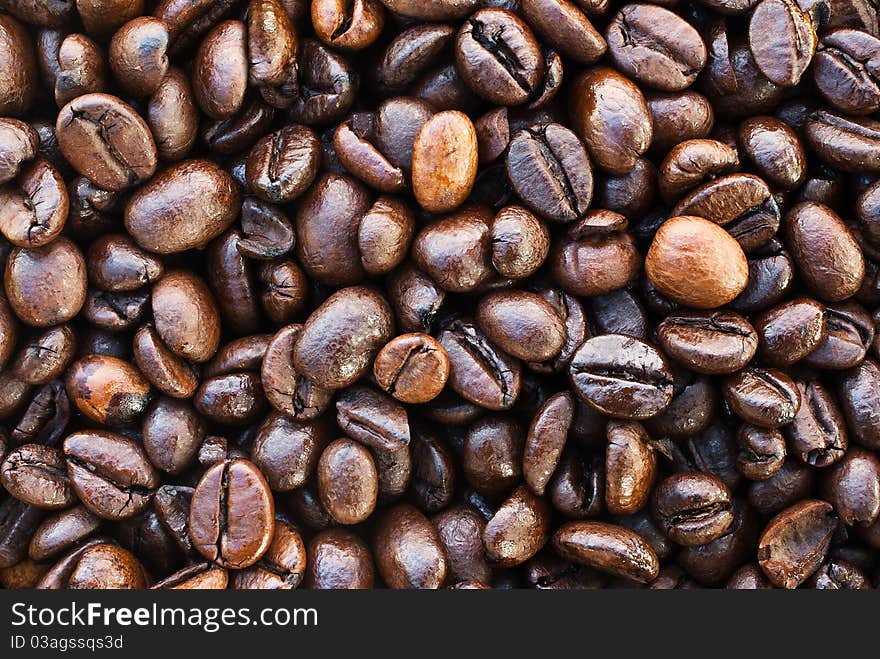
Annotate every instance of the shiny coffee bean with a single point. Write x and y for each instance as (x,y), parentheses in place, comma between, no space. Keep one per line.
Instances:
(795,542)
(693,508)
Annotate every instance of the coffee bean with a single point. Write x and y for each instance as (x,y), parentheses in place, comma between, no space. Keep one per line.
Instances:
(356,322)
(107,390)
(795,542)
(790,331)
(860,400)
(762,452)
(546,439)
(285,389)
(611,116)
(656,47)
(185,206)
(110,473)
(36,475)
(776,151)
(373,419)
(783,40)
(339,559)
(519,528)
(852,486)
(718,342)
(281,166)
(549,169)
(347,481)
(630,467)
(693,508)
(444,161)
(608,548)
(455,251)
(621,376)
(232,514)
(848,144)
(461,531)
(19,68)
(412,367)
(61,531)
(696,263)
(407,550)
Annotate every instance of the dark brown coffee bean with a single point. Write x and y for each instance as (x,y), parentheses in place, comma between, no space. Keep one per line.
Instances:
(172,434)
(761,452)
(220,72)
(201,576)
(411,52)
(656,47)
(281,166)
(565,28)
(283,565)
(347,481)
(232,514)
(18,68)
(611,116)
(110,473)
(327,230)
(847,71)
(828,257)
(365,161)
(848,144)
(61,531)
(285,389)
(356,322)
(498,57)
(783,40)
(234,399)
(692,163)
(339,559)
(173,116)
(461,531)
(608,548)
(518,530)
(790,331)
(185,206)
(546,439)
(711,343)
(630,468)
(478,370)
(287,451)
(776,151)
(46,286)
(115,263)
(849,331)
(852,486)
(34,208)
(860,398)
(795,542)
(106,141)
(385,234)
(456,251)
(523,324)
(97,564)
(373,418)
(45,356)
(693,508)
(550,171)
(621,376)
(408,550)
(36,475)
(170,374)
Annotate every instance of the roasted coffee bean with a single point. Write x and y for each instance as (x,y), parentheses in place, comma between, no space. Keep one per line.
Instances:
(852,486)
(622,377)
(461,531)
(782,38)
(35,206)
(696,263)
(607,548)
(456,251)
(339,559)
(110,473)
(790,331)
(611,116)
(385,234)
(761,452)
(234,399)
(172,116)
(18,522)
(361,158)
(232,514)
(693,406)
(287,451)
(106,141)
(549,169)
(107,390)
(172,434)
(170,374)
(492,455)
(848,144)
(849,331)
(45,356)
(19,68)
(846,71)
(597,255)
(36,475)
(519,529)
(827,256)
(795,542)
(185,206)
(692,163)
(655,47)
(523,324)
(546,439)
(61,531)
(565,28)
(412,367)
(678,117)
(630,468)
(520,242)
(284,388)
(444,161)
(860,399)
(283,565)
(711,343)
(693,508)
(407,550)
(281,166)
(46,285)
(373,418)
(115,263)
(775,149)
(202,576)
(356,321)
(96,564)
(347,481)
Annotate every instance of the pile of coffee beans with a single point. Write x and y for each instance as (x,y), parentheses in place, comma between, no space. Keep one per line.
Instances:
(439,294)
